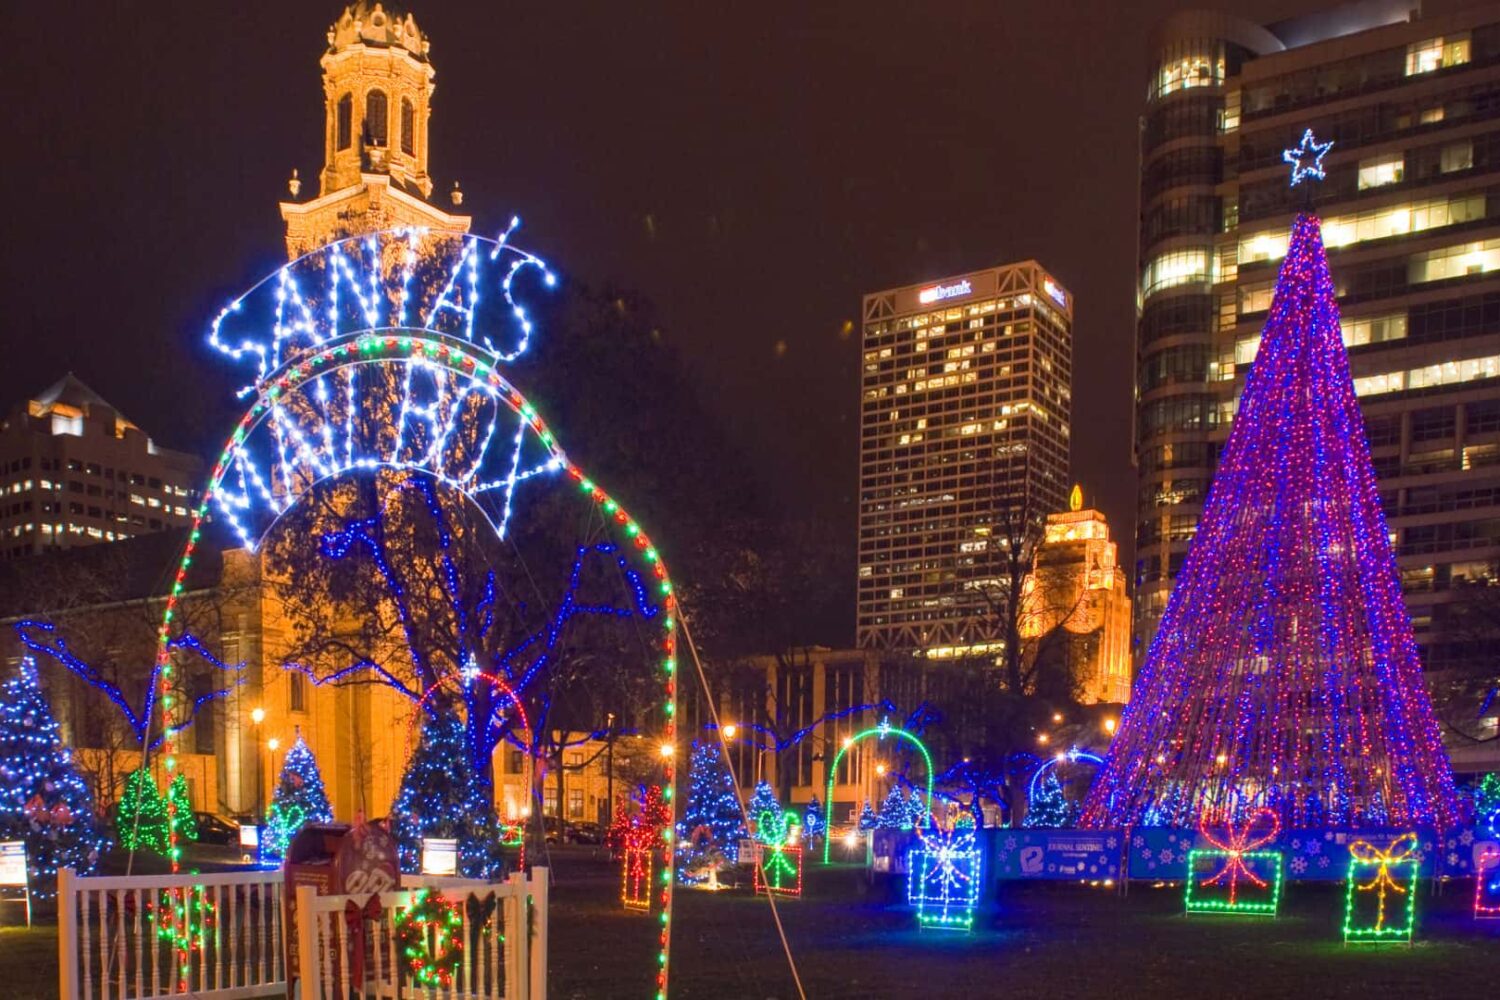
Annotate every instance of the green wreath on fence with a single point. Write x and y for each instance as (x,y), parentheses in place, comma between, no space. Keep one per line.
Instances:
(429,934)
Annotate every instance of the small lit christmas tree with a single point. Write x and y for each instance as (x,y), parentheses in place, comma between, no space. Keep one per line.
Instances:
(43,799)
(180,809)
(813,823)
(867,818)
(1048,805)
(141,815)
(917,811)
(299,799)
(711,820)
(895,814)
(438,799)
(763,799)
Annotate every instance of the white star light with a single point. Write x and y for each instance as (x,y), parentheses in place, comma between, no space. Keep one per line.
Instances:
(1308,147)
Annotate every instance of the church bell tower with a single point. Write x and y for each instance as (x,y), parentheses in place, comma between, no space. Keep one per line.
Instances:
(377,97)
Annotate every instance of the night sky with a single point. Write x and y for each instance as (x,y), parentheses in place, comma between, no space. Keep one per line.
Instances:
(751,168)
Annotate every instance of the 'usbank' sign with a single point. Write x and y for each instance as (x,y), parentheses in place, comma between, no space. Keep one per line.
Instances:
(938,293)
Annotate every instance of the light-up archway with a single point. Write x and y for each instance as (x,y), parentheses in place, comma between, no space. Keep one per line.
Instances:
(447,413)
(879,732)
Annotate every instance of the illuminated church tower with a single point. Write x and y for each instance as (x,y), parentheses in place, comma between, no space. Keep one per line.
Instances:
(377,96)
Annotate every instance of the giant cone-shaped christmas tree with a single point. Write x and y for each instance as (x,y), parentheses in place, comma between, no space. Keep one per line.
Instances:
(1284,672)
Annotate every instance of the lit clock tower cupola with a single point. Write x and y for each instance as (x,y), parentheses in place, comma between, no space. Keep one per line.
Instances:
(377,91)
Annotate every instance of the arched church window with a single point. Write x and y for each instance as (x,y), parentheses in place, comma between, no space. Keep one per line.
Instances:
(377,119)
(345,121)
(408,126)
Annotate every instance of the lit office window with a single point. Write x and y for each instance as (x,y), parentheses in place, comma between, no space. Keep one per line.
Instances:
(1376,224)
(1445,373)
(1455,262)
(1437,53)
(1191,64)
(1381,170)
(1457,156)
(1179,267)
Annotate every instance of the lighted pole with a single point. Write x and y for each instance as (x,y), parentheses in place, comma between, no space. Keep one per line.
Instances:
(257,716)
(609,769)
(272,744)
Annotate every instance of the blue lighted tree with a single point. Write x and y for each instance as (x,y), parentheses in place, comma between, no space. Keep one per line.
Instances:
(814,824)
(1048,805)
(299,798)
(439,798)
(867,818)
(895,812)
(43,799)
(763,800)
(711,819)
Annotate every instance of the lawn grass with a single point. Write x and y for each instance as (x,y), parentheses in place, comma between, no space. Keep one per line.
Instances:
(28,962)
(1052,940)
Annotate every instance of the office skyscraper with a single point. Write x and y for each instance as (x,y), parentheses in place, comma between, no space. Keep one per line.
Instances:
(965,404)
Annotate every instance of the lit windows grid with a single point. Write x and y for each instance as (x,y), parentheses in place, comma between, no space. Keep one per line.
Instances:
(926,481)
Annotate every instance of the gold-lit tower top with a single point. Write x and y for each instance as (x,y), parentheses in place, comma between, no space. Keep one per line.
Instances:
(377,96)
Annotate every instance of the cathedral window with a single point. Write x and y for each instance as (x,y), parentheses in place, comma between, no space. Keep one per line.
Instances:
(377,119)
(408,126)
(345,121)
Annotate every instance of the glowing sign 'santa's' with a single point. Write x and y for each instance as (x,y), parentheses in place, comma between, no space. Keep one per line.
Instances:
(939,292)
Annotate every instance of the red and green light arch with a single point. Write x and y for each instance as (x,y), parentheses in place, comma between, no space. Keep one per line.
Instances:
(401,347)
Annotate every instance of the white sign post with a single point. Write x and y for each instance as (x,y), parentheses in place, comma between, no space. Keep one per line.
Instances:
(13,873)
(439,856)
(249,842)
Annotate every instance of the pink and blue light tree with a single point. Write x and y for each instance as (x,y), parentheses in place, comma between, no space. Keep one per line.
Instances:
(1284,673)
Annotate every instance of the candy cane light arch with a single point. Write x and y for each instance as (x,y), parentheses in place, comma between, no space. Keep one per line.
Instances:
(879,732)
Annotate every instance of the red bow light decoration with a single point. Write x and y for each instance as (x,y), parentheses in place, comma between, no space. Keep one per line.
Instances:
(1253,833)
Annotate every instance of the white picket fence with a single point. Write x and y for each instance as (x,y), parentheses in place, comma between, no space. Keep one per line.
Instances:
(109,947)
(347,950)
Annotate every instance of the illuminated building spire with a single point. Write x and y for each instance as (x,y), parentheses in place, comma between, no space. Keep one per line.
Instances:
(377,98)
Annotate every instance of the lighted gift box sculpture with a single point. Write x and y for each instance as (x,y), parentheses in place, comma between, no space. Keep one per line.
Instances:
(1237,873)
(1381,896)
(1487,883)
(639,834)
(778,854)
(943,875)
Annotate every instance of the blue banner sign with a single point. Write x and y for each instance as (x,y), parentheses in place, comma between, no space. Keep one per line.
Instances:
(1161,853)
(1057,854)
(1310,855)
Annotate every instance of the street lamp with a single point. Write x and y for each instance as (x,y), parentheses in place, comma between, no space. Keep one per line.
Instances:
(729,730)
(1109,726)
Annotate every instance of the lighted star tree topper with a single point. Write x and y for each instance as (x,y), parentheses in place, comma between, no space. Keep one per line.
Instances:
(1284,671)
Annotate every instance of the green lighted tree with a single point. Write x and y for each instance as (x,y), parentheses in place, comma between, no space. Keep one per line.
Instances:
(141,815)
(180,809)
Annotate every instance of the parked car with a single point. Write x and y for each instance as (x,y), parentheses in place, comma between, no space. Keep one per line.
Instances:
(585,833)
(215,829)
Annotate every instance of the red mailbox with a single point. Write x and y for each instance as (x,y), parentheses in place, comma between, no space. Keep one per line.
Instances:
(335,859)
